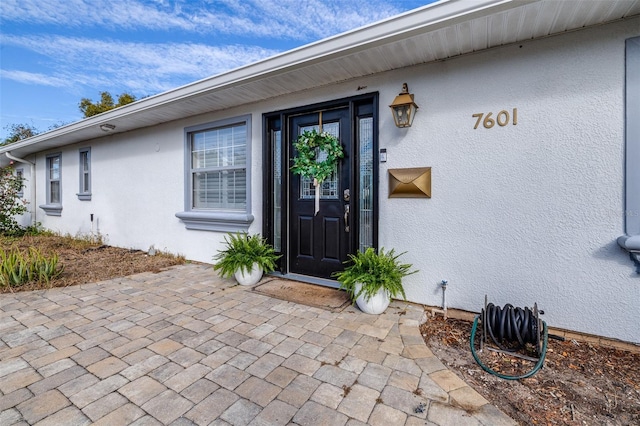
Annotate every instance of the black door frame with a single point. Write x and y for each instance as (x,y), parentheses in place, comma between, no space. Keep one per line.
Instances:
(361,106)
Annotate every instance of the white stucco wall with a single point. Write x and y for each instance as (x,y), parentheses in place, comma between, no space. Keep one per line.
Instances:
(526,213)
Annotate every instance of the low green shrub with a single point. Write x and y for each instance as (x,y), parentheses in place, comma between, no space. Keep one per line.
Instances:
(18,268)
(35,229)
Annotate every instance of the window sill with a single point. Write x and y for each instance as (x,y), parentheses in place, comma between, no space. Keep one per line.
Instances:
(216,221)
(84,197)
(52,209)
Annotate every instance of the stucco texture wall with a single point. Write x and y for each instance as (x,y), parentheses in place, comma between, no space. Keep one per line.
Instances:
(138,185)
(522,213)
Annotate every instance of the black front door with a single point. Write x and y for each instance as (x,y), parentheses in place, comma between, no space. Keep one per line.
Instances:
(319,242)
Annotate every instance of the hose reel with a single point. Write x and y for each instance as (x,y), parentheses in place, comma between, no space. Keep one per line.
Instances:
(511,329)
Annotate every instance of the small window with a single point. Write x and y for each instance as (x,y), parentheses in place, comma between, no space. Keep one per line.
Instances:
(53,180)
(217,196)
(54,185)
(84,192)
(20,175)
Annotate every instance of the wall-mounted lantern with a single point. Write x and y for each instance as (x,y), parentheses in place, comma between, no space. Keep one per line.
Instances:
(403,108)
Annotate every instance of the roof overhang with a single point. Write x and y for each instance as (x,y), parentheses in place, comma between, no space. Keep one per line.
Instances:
(434,32)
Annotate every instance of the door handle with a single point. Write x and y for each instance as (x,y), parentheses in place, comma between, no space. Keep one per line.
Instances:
(346,217)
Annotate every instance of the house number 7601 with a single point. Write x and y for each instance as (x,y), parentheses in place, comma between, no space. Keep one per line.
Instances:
(502,118)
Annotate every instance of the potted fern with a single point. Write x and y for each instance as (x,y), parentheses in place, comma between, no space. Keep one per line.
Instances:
(246,258)
(372,279)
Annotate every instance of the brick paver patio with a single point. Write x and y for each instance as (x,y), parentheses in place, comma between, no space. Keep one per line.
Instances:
(185,347)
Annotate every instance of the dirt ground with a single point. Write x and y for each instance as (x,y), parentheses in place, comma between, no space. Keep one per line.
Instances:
(87,260)
(579,384)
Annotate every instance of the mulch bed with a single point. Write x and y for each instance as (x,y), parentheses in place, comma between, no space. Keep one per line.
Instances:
(87,261)
(579,384)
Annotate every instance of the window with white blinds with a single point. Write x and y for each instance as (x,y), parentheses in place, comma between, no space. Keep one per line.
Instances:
(217,161)
(219,168)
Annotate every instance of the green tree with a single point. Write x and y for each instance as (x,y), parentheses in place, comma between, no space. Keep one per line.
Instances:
(11,204)
(17,132)
(106,103)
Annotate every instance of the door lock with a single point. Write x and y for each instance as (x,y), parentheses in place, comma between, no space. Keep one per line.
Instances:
(346,195)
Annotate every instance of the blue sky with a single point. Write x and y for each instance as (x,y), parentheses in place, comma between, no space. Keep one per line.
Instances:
(55,52)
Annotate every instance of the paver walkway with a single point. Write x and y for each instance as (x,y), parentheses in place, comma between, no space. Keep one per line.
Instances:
(185,347)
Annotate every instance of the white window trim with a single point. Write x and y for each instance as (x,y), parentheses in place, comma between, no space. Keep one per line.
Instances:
(84,195)
(631,240)
(50,208)
(208,220)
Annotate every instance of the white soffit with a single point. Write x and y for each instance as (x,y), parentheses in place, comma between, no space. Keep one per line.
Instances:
(434,32)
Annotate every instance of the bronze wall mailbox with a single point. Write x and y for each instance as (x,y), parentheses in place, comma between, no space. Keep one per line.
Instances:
(410,183)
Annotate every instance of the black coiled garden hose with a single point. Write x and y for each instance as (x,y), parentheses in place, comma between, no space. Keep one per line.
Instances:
(512,324)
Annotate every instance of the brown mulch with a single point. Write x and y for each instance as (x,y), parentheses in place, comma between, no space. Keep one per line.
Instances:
(87,260)
(579,384)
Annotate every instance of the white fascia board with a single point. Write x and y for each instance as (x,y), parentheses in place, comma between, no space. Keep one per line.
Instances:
(427,18)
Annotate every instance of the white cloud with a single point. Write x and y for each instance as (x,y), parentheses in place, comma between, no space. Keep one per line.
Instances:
(33,78)
(83,47)
(81,13)
(295,19)
(138,67)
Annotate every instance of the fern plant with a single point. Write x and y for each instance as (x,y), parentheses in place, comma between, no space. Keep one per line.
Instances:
(374,271)
(18,268)
(242,251)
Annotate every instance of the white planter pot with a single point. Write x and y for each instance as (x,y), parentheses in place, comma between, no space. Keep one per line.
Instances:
(249,277)
(376,304)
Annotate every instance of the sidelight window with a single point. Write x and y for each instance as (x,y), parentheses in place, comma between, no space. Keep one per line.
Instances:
(365,182)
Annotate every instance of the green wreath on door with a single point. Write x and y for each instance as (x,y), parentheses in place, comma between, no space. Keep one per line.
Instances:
(309,145)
